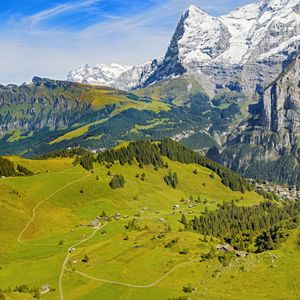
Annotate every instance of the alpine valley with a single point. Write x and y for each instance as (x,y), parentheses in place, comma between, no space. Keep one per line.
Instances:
(176,179)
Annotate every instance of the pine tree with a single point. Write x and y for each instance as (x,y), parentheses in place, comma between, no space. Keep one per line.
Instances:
(117,182)
(86,162)
(184,221)
(270,244)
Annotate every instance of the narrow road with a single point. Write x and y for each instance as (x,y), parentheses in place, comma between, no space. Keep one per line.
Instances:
(19,239)
(39,204)
(134,285)
(67,258)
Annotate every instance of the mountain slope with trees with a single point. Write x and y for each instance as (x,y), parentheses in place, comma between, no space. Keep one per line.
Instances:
(130,226)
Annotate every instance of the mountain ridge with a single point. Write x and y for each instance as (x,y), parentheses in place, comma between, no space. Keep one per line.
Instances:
(250,45)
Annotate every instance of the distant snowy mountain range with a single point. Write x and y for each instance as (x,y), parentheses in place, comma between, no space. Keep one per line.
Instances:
(115,75)
(244,50)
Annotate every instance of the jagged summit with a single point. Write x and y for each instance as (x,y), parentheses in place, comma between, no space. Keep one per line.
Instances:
(194,9)
(250,45)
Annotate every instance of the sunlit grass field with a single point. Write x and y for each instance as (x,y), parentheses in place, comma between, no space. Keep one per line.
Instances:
(73,197)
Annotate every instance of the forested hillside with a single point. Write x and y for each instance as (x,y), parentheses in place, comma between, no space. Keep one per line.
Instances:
(8,168)
(146,153)
(47,115)
(156,204)
(256,228)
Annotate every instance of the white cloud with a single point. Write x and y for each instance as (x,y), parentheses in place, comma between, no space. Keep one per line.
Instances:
(129,40)
(29,51)
(35,19)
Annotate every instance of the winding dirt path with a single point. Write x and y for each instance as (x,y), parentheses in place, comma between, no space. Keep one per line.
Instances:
(134,285)
(34,211)
(19,239)
(63,268)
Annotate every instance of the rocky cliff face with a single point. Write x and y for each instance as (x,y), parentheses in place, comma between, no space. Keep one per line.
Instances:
(281,103)
(273,129)
(136,77)
(42,103)
(248,47)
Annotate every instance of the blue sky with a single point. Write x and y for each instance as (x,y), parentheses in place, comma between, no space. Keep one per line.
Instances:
(50,38)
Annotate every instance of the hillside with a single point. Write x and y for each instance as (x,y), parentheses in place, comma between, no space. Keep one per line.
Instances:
(232,84)
(35,117)
(47,115)
(142,249)
(173,179)
(226,84)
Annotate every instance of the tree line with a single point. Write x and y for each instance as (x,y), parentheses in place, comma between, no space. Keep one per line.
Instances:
(144,152)
(8,169)
(150,153)
(177,152)
(64,153)
(245,227)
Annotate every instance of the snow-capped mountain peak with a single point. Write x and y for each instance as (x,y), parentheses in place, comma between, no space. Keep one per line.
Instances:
(203,38)
(249,45)
(100,74)
(194,10)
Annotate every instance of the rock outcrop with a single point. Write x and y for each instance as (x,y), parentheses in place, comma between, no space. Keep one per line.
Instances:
(272,132)
(42,103)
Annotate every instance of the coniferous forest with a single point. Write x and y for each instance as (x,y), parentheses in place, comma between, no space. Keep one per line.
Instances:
(254,228)
(7,168)
(148,153)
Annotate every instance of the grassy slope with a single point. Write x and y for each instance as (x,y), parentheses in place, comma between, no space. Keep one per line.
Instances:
(113,258)
(177,89)
(40,166)
(99,97)
(80,96)
(77,132)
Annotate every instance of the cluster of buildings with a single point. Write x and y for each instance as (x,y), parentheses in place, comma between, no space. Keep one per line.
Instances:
(281,191)
(97,221)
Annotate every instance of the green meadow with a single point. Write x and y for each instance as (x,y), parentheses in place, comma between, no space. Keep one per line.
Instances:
(127,264)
